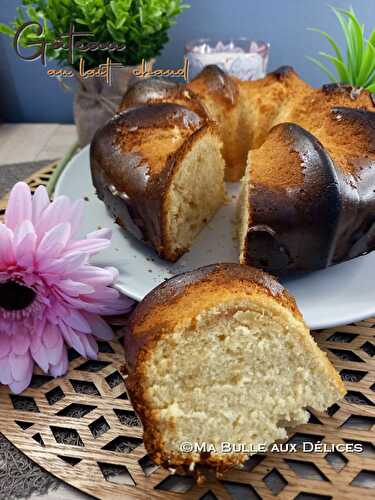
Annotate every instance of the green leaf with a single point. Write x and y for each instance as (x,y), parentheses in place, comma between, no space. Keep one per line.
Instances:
(371,38)
(371,88)
(358,67)
(349,44)
(356,33)
(142,25)
(367,65)
(340,66)
(324,68)
(331,41)
(6,30)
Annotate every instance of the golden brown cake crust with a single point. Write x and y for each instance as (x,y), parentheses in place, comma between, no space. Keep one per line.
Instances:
(171,302)
(133,160)
(168,307)
(160,91)
(313,208)
(217,84)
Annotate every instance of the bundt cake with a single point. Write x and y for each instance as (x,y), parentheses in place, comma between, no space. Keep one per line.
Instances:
(147,167)
(308,191)
(222,355)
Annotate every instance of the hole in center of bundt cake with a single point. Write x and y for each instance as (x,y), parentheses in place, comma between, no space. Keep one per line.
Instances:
(240,375)
(196,191)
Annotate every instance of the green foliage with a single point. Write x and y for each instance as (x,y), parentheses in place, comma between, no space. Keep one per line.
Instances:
(140,24)
(358,69)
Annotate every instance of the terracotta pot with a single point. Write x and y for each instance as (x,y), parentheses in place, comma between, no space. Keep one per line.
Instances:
(95,101)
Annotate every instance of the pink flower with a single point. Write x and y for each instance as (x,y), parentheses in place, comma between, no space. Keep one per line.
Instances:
(51,297)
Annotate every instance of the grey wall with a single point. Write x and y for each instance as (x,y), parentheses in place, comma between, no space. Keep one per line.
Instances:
(27,94)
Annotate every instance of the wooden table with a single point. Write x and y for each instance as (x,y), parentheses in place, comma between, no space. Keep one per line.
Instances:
(33,142)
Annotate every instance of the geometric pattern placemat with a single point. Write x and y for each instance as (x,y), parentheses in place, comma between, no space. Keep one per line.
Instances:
(83,429)
(42,176)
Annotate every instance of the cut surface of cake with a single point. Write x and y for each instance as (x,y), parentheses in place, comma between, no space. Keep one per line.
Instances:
(222,355)
(160,171)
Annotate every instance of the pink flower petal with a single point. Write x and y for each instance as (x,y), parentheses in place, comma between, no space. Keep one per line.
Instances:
(90,247)
(5,345)
(19,205)
(58,310)
(51,336)
(55,353)
(91,346)
(66,332)
(76,320)
(78,303)
(40,354)
(75,288)
(108,305)
(20,343)
(100,329)
(56,213)
(40,202)
(5,371)
(75,302)
(104,294)
(62,366)
(75,215)
(77,344)
(95,275)
(6,247)
(119,305)
(114,272)
(20,366)
(63,266)
(24,244)
(41,359)
(19,386)
(23,229)
(53,242)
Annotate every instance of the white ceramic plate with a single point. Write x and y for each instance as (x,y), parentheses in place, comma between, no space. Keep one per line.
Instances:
(338,295)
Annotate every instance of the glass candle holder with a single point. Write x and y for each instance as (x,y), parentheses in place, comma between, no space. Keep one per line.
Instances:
(244,58)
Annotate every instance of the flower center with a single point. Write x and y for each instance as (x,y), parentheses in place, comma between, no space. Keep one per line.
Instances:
(15,297)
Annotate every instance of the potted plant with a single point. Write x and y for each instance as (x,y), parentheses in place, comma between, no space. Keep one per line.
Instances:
(137,29)
(356,67)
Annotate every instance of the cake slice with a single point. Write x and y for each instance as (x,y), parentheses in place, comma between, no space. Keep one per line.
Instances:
(222,355)
(159,170)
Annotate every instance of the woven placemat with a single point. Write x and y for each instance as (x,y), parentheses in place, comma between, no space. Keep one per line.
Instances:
(12,173)
(34,173)
(83,429)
